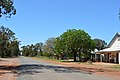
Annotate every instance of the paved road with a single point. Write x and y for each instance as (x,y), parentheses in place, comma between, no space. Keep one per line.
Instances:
(38,70)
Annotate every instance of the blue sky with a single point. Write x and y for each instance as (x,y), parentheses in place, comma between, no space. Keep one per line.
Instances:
(38,20)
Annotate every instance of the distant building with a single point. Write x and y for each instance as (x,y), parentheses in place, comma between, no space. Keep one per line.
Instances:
(112,53)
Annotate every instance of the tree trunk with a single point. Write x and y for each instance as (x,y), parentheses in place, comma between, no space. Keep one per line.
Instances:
(80,56)
(75,54)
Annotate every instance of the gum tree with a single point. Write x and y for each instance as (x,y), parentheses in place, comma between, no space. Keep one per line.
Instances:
(9,45)
(7,8)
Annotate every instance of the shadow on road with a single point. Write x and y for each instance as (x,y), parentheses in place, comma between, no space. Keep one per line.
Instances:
(31,69)
(36,68)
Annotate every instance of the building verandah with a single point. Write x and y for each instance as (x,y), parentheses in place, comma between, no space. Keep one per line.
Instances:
(110,57)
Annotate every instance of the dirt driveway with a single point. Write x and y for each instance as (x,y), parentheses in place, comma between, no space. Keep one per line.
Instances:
(8,69)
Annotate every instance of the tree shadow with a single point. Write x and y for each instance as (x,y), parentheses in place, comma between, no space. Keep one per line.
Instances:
(39,68)
(5,69)
(32,69)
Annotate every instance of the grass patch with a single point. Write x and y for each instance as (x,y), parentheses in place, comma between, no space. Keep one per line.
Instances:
(115,67)
(45,58)
(53,59)
(68,61)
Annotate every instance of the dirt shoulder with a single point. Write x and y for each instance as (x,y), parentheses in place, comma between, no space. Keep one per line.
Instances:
(8,68)
(98,69)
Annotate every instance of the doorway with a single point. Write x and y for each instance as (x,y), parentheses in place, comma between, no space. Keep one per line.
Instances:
(117,58)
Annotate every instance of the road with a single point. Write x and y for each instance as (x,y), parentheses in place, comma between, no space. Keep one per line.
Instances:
(37,70)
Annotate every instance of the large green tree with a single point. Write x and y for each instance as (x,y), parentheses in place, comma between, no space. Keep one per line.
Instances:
(74,42)
(7,8)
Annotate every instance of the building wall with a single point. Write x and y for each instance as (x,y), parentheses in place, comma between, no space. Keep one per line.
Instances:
(116,44)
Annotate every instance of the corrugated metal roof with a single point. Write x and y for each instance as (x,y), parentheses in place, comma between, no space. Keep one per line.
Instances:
(109,50)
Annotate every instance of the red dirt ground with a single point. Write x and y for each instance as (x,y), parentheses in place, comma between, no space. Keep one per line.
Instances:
(7,68)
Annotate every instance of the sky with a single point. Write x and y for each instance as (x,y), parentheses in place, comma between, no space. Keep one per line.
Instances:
(38,20)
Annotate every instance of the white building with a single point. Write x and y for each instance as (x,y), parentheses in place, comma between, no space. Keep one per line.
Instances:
(112,53)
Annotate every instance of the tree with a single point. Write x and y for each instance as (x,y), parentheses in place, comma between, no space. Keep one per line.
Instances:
(38,48)
(14,46)
(7,8)
(25,51)
(9,45)
(75,42)
(32,50)
(60,48)
(100,44)
(48,48)
(3,42)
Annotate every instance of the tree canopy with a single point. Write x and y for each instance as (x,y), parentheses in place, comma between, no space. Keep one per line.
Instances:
(9,45)
(7,8)
(71,44)
(75,42)
(48,48)
(32,50)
